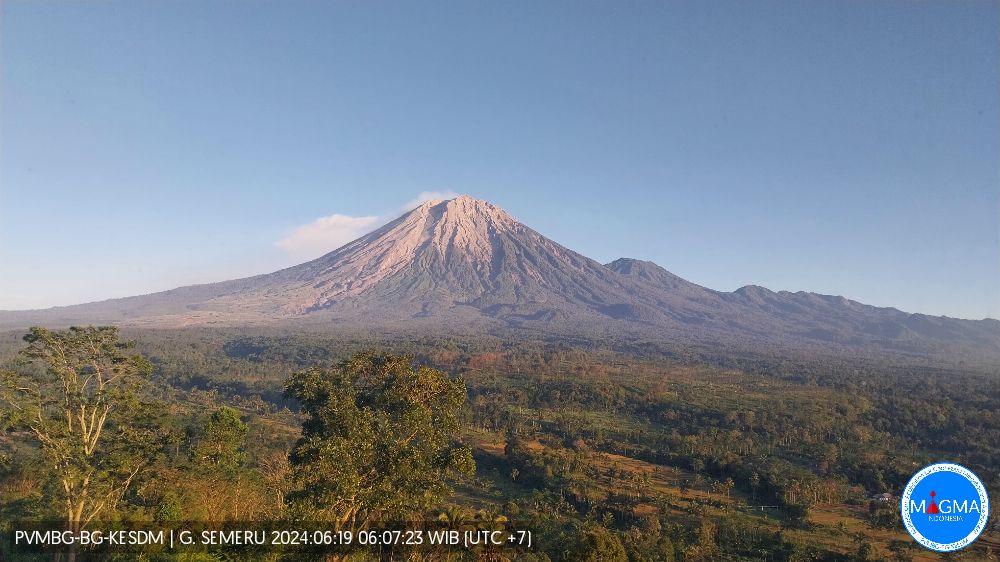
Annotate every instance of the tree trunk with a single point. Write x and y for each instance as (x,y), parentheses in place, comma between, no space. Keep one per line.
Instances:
(74,527)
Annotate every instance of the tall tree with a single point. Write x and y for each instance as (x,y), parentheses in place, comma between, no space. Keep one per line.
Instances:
(220,448)
(77,392)
(378,441)
(217,458)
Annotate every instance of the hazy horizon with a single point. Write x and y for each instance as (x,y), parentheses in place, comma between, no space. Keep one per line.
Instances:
(308,235)
(846,149)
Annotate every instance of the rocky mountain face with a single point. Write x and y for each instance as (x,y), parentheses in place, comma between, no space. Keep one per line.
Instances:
(466,265)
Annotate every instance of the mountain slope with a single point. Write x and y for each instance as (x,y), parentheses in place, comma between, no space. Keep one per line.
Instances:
(444,256)
(465,264)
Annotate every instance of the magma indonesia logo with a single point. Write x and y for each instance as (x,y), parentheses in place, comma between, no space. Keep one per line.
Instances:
(945,507)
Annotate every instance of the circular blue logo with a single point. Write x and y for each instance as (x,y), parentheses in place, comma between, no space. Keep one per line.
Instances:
(945,507)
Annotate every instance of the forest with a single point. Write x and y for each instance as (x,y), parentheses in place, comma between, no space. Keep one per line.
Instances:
(603,451)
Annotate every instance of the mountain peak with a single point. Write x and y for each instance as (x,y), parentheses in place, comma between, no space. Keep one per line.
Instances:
(471,205)
(463,223)
(633,266)
(648,271)
(460,205)
(452,250)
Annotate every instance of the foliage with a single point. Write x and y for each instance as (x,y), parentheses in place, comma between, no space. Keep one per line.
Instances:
(82,405)
(377,441)
(675,455)
(219,450)
(597,544)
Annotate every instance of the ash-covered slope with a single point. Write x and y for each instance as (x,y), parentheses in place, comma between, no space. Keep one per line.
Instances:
(466,265)
(461,253)
(451,260)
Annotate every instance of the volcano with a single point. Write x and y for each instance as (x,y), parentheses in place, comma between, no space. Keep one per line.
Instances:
(466,265)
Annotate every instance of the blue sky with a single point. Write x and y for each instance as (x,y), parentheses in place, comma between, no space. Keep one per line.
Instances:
(842,147)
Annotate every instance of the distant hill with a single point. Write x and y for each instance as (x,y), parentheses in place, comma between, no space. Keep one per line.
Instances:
(466,265)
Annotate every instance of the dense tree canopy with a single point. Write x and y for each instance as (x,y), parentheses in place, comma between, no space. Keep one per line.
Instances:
(377,441)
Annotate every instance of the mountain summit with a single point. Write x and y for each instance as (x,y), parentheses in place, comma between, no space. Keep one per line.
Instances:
(461,258)
(466,265)
(459,252)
